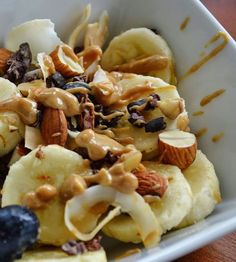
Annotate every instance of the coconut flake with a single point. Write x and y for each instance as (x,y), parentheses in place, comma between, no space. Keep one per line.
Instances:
(79,206)
(33,137)
(38,33)
(76,34)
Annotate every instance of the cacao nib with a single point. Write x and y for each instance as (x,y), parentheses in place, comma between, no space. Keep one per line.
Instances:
(32,75)
(137,119)
(80,78)
(75,247)
(109,159)
(155,125)
(56,80)
(18,63)
(75,84)
(78,49)
(152,104)
(133,106)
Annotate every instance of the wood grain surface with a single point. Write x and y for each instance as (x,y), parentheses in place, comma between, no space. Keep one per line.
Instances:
(224,249)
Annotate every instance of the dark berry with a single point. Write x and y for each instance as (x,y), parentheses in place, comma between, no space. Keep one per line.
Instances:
(19,228)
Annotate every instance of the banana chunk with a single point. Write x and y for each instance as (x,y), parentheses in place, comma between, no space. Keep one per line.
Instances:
(133,84)
(47,255)
(169,213)
(52,165)
(136,44)
(11,127)
(205,187)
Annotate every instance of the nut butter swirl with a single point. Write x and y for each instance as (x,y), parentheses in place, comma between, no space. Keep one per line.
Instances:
(119,175)
(58,99)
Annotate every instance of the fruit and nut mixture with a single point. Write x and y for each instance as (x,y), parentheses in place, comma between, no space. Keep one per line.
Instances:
(94,139)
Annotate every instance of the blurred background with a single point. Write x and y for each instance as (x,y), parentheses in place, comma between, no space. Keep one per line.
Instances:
(225,13)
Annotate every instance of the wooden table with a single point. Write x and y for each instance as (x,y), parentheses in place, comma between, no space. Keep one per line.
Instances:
(223,250)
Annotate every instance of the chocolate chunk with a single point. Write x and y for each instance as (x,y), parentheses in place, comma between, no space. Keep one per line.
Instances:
(155,125)
(109,159)
(19,63)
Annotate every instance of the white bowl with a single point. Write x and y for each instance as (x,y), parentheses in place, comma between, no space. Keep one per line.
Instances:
(219,72)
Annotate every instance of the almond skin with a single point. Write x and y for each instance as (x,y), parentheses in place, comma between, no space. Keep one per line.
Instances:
(151,183)
(177,148)
(54,127)
(5,54)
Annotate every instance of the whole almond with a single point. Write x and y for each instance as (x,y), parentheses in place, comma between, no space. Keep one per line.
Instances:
(151,183)
(5,54)
(54,127)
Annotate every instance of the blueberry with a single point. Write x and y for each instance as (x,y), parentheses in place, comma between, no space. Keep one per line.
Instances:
(155,125)
(56,80)
(19,228)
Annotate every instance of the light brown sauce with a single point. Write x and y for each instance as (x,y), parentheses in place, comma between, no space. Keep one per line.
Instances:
(217,137)
(201,132)
(184,24)
(119,175)
(133,94)
(24,107)
(129,252)
(49,65)
(207,99)
(97,144)
(198,113)
(144,65)
(213,53)
(110,116)
(58,99)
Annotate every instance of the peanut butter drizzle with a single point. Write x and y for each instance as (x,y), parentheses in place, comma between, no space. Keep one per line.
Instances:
(217,137)
(24,107)
(133,94)
(184,24)
(198,113)
(110,116)
(58,99)
(201,132)
(207,99)
(213,53)
(97,144)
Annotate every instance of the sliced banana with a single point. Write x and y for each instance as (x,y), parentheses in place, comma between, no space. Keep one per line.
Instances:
(168,212)
(11,127)
(53,166)
(146,142)
(205,187)
(47,255)
(138,43)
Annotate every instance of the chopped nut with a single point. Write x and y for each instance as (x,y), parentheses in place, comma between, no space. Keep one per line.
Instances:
(171,108)
(183,122)
(46,192)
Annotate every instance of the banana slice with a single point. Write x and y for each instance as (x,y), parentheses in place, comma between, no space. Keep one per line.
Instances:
(168,212)
(52,166)
(146,142)
(135,44)
(205,187)
(47,255)
(11,127)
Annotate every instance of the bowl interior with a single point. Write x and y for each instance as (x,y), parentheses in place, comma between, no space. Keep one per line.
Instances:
(188,46)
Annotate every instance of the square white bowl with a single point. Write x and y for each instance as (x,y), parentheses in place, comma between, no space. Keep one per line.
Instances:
(187,45)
